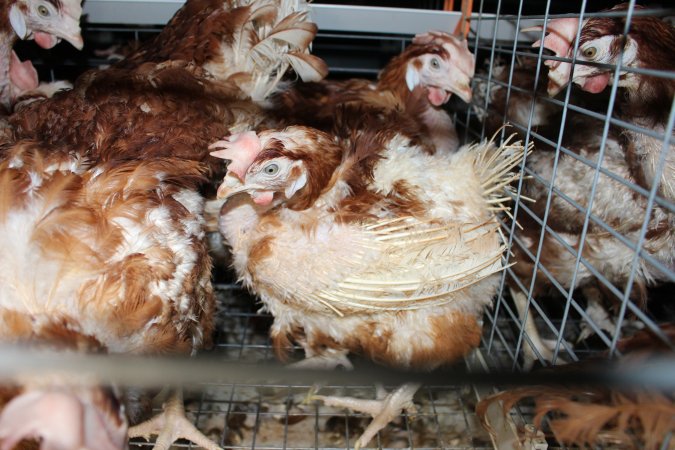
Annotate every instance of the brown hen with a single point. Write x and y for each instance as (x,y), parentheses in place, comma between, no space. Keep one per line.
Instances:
(628,155)
(361,245)
(44,21)
(436,64)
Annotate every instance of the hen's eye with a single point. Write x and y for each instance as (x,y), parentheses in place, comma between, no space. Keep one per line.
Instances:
(43,10)
(271,169)
(435,64)
(590,52)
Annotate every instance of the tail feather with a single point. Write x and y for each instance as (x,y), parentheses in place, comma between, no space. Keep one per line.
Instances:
(495,167)
(275,37)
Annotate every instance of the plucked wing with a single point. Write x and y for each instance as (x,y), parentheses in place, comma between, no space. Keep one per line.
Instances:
(420,264)
(397,262)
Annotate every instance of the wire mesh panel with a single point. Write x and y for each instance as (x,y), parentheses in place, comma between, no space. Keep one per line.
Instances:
(279,416)
(593,257)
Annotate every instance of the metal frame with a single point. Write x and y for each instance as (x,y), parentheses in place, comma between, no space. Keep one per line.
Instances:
(504,334)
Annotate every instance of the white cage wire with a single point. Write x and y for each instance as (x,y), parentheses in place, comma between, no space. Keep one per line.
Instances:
(561,326)
(273,416)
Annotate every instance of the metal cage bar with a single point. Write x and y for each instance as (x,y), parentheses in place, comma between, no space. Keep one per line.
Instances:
(635,242)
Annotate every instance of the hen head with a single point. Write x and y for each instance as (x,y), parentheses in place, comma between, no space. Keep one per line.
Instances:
(442,64)
(265,164)
(47,21)
(600,42)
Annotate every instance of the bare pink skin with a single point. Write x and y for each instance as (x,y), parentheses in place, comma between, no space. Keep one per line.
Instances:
(597,83)
(60,420)
(438,96)
(262,197)
(22,75)
(45,40)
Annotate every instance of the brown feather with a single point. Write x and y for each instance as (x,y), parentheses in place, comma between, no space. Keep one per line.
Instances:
(595,415)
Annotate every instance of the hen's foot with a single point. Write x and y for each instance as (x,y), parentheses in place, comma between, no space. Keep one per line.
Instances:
(383,410)
(539,348)
(171,425)
(324,361)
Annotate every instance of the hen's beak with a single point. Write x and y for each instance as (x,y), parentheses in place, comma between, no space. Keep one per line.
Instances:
(70,31)
(558,78)
(231,186)
(457,81)
(463,91)
(440,93)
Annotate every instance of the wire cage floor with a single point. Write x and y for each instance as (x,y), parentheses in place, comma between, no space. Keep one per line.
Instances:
(279,416)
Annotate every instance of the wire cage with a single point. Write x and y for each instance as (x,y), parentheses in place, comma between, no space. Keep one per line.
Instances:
(274,415)
(564,314)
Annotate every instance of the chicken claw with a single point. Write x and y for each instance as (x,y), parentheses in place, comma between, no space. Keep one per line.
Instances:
(172,425)
(385,409)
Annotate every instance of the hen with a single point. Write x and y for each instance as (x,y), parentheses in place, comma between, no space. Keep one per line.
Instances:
(46,22)
(106,178)
(648,99)
(61,414)
(627,155)
(436,63)
(87,263)
(359,244)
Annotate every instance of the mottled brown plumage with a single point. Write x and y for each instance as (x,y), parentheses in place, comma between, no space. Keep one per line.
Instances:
(436,64)
(87,265)
(597,416)
(629,155)
(647,99)
(357,243)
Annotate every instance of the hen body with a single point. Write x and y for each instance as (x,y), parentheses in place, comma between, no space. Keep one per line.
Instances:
(417,83)
(361,245)
(337,229)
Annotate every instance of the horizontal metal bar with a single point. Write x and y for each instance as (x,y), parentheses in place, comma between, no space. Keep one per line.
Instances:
(579,109)
(660,12)
(348,18)
(666,74)
(147,371)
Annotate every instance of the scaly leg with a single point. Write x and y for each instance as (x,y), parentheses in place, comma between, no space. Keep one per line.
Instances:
(330,360)
(172,425)
(540,347)
(383,410)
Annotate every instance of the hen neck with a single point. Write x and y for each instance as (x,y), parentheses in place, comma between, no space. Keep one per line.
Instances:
(440,129)
(7,39)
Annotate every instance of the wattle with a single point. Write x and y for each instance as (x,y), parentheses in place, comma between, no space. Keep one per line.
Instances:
(597,83)
(438,96)
(45,40)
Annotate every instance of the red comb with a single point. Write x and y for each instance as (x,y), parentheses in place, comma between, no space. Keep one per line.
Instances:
(560,37)
(241,149)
